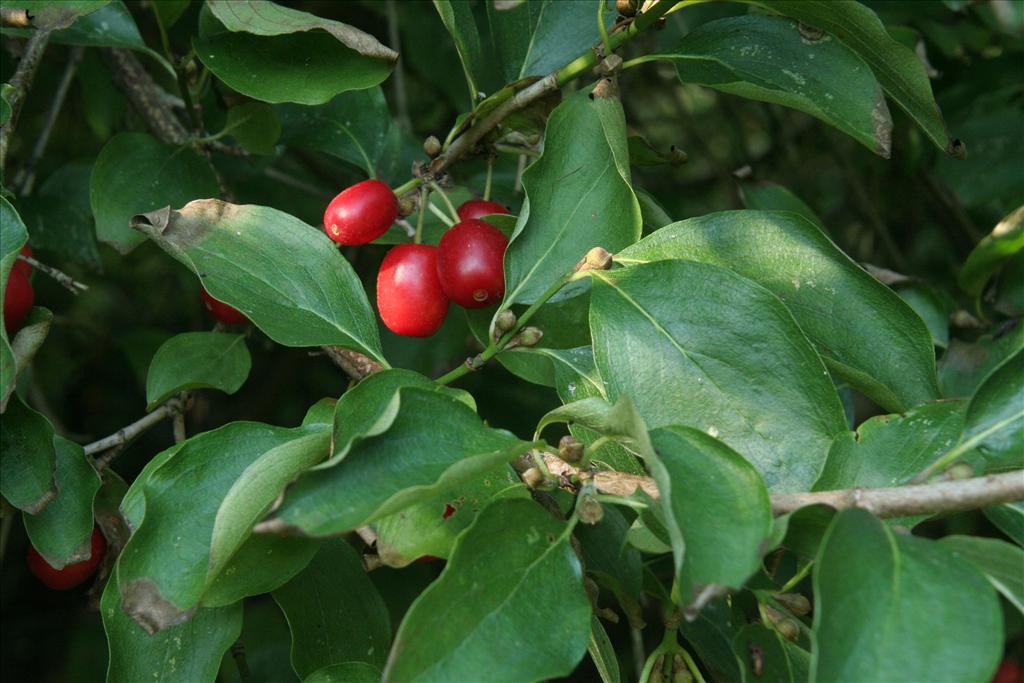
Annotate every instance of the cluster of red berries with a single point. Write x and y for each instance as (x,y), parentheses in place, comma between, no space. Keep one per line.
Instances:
(73,574)
(416,281)
(18,296)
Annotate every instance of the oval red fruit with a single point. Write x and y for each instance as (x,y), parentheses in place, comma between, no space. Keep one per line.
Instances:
(229,315)
(24,266)
(73,574)
(478,208)
(409,295)
(470,263)
(361,213)
(18,300)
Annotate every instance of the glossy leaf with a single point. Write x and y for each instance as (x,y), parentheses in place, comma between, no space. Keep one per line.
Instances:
(534,585)
(766,196)
(707,487)
(965,365)
(237,252)
(278,54)
(255,126)
(240,469)
(606,554)
(732,363)
(136,173)
(1009,519)
(1005,240)
(879,345)
(260,565)
(334,612)
(602,653)
(868,580)
(431,527)
(578,196)
(999,561)
(711,635)
(994,423)
(188,653)
(194,360)
(57,14)
(897,68)
(768,59)
(933,309)
(28,462)
(348,672)
(61,531)
(13,237)
(778,660)
(433,443)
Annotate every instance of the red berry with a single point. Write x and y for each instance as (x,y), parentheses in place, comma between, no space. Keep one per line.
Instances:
(409,295)
(361,213)
(1009,671)
(229,315)
(428,558)
(470,264)
(18,300)
(478,208)
(24,266)
(73,574)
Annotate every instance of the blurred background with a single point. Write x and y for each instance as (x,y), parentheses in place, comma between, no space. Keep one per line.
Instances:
(917,214)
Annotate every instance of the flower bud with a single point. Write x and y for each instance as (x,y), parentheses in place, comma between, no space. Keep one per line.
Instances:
(505,321)
(569,449)
(589,510)
(626,8)
(432,146)
(795,603)
(597,258)
(533,478)
(529,336)
(788,628)
(960,470)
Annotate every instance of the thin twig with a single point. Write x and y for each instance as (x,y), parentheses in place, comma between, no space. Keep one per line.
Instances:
(126,434)
(899,501)
(20,83)
(238,653)
(145,95)
(398,74)
(72,285)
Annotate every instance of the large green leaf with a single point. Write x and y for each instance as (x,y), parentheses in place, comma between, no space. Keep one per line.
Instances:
(433,443)
(1010,520)
(707,488)
(209,360)
(261,564)
(897,68)
(1005,240)
(711,635)
(334,612)
(58,14)
(136,173)
(1001,562)
(187,653)
(767,196)
(28,458)
(13,237)
(465,628)
(965,365)
(578,196)
(229,478)
(878,345)
(278,54)
(767,58)
(286,277)
(732,362)
(920,613)
(608,557)
(430,527)
(61,531)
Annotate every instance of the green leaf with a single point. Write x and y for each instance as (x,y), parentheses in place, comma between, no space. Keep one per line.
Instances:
(766,196)
(780,660)
(334,612)
(933,309)
(169,11)
(26,343)
(1009,519)
(13,237)
(711,635)
(965,365)
(653,214)
(999,561)
(430,527)
(278,54)
(136,173)
(267,641)
(872,582)
(461,627)
(879,345)
(706,487)
(28,462)
(194,360)
(188,653)
(348,672)
(607,556)
(57,14)
(769,59)
(61,531)
(433,443)
(602,652)
(578,197)
(237,252)
(888,450)
(896,67)
(458,19)
(991,173)
(255,125)
(642,153)
(59,214)
(230,477)
(261,564)
(703,366)
(1005,240)
(994,424)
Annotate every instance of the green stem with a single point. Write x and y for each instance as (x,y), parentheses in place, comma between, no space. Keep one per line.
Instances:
(669,645)
(588,452)
(424,202)
(602,6)
(494,348)
(440,214)
(447,202)
(619,500)
(643,59)
(490,172)
(512,149)
(408,186)
(691,665)
(797,578)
